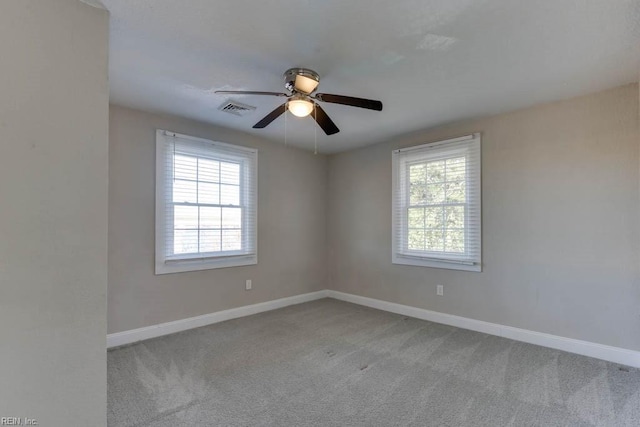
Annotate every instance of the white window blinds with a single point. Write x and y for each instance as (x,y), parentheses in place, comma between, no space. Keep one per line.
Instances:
(437,204)
(205,204)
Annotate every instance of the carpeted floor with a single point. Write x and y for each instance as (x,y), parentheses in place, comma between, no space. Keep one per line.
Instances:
(331,363)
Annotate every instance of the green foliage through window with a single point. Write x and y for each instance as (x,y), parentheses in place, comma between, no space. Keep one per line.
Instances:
(437,202)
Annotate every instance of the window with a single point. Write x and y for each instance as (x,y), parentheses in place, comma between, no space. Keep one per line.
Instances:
(205,204)
(436,204)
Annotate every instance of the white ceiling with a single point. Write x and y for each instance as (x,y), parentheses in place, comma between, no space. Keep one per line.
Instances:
(429,61)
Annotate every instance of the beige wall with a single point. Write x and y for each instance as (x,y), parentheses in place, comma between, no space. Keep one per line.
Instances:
(560,222)
(53,214)
(291,228)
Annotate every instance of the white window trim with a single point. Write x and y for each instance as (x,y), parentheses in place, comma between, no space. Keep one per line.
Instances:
(428,261)
(164,265)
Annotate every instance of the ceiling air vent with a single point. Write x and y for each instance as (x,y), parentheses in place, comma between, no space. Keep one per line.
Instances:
(236,108)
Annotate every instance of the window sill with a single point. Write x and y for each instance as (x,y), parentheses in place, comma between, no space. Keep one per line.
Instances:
(433,263)
(163,267)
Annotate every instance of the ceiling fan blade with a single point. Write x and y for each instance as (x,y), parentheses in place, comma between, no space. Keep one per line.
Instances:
(370,104)
(248,92)
(324,121)
(271,117)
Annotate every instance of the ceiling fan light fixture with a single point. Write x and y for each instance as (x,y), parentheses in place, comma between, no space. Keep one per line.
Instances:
(305,84)
(301,80)
(300,107)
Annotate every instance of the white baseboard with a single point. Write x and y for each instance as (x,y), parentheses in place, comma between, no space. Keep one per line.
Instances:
(585,348)
(135,335)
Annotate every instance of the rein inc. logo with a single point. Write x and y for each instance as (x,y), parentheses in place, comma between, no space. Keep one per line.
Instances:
(18,421)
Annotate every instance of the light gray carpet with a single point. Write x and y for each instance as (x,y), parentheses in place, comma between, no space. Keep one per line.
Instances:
(330,363)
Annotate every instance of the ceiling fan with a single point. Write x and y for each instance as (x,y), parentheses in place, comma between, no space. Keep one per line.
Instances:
(302,83)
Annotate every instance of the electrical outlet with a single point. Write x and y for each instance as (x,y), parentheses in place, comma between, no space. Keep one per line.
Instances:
(248,285)
(440,290)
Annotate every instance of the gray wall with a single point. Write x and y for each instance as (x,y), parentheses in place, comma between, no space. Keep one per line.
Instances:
(291,228)
(561,230)
(53,215)
(560,222)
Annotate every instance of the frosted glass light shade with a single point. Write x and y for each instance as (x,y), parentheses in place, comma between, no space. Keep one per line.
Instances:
(300,107)
(305,84)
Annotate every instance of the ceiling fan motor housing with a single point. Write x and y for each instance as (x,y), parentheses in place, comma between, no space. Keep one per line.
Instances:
(305,84)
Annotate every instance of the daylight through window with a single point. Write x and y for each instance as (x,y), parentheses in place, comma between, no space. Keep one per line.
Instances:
(206,204)
(437,204)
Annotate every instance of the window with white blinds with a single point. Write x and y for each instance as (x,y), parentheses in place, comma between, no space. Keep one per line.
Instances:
(437,204)
(206,196)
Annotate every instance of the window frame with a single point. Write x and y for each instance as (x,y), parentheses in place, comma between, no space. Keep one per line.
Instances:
(165,264)
(469,260)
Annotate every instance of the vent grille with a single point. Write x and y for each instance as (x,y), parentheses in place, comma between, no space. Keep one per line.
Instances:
(236,108)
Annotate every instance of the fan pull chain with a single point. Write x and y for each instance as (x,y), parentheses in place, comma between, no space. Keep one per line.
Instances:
(315,130)
(285,126)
